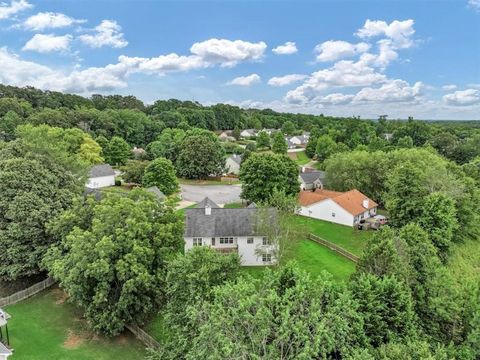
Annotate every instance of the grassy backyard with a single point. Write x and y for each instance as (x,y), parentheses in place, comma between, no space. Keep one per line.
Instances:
(299,157)
(47,327)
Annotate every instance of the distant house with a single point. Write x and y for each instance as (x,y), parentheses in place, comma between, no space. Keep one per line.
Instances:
(157,192)
(229,230)
(101,176)
(226,136)
(290,144)
(388,136)
(300,140)
(346,208)
(248,133)
(5,350)
(312,180)
(232,164)
(270,131)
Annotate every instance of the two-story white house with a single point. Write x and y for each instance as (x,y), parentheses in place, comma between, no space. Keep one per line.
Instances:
(346,208)
(229,230)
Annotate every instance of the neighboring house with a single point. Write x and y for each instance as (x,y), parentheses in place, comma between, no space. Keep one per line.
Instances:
(228,230)
(312,180)
(101,176)
(290,144)
(139,153)
(388,136)
(5,350)
(270,131)
(346,208)
(226,136)
(300,140)
(232,164)
(248,133)
(157,192)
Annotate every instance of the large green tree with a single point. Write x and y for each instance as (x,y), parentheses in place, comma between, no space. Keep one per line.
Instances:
(279,145)
(117,151)
(200,156)
(285,315)
(113,264)
(35,188)
(161,173)
(167,145)
(263,140)
(263,174)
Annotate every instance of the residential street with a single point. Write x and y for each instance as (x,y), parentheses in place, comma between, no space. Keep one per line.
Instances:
(221,194)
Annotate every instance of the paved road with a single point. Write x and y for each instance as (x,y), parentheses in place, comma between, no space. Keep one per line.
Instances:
(221,194)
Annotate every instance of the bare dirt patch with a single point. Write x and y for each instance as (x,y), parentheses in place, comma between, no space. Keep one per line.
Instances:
(73,340)
(59,295)
(292,155)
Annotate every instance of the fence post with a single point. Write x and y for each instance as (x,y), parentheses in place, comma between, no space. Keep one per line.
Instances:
(334,247)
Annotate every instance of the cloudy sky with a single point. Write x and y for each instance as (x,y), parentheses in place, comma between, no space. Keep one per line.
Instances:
(401,58)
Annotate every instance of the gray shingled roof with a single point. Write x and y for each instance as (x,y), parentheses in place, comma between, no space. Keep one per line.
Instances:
(206,201)
(221,222)
(156,191)
(236,158)
(310,177)
(101,170)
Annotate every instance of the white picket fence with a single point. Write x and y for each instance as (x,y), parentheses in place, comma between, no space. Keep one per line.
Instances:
(26,293)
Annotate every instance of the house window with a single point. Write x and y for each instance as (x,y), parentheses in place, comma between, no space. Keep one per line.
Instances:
(333,214)
(226,240)
(266,258)
(265,241)
(197,241)
(213,241)
(250,240)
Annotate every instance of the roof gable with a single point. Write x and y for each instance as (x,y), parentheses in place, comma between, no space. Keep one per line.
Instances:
(351,201)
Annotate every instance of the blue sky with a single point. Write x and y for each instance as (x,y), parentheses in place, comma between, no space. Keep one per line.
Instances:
(401,58)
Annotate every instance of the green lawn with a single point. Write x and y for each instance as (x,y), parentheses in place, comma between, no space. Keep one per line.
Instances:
(302,158)
(234,206)
(313,258)
(345,236)
(47,327)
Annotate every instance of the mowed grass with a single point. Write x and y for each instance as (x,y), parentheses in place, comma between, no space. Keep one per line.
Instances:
(302,158)
(347,237)
(47,327)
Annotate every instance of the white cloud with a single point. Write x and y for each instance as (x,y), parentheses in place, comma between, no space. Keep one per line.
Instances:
(18,72)
(46,43)
(226,52)
(245,80)
(15,6)
(49,20)
(286,49)
(463,98)
(345,73)
(286,79)
(334,99)
(333,50)
(391,91)
(400,32)
(108,33)
(474,4)
(449,87)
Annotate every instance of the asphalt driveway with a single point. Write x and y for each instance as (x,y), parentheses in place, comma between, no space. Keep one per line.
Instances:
(221,194)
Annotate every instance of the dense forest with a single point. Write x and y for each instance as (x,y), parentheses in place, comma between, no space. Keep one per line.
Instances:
(413,295)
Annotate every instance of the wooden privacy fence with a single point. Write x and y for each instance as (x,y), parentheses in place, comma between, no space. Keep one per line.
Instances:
(346,254)
(26,293)
(145,338)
